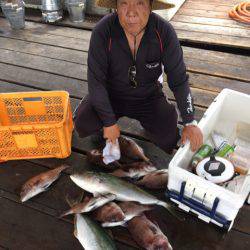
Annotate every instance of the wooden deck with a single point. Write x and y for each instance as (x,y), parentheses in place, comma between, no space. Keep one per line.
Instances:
(49,57)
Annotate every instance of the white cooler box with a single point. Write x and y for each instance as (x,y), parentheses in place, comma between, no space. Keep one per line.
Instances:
(229,115)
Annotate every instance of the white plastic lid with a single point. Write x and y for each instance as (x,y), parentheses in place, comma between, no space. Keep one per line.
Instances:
(226,175)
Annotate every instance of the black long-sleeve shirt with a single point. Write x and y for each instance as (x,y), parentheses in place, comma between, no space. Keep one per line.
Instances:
(109,59)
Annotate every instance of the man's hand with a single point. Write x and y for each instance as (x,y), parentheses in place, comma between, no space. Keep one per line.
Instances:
(194,135)
(111,133)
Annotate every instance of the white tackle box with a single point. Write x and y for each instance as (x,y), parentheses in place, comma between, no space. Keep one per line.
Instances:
(229,115)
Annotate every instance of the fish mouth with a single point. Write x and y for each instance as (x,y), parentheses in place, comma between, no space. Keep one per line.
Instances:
(23,198)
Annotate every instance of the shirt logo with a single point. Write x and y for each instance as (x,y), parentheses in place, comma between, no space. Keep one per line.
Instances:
(152,65)
(190,104)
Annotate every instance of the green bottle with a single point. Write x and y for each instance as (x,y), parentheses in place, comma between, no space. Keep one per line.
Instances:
(225,150)
(204,151)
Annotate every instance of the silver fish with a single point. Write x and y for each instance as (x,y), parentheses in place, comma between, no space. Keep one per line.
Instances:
(131,149)
(102,183)
(40,183)
(89,204)
(135,170)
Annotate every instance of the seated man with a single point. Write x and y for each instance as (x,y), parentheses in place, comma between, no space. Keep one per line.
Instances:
(129,50)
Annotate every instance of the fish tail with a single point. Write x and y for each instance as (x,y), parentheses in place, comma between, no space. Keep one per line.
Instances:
(171,210)
(65,213)
(72,201)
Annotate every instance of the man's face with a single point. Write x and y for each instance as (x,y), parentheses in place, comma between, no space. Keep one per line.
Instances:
(133,14)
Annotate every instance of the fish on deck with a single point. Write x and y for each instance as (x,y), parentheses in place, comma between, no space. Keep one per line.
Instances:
(40,183)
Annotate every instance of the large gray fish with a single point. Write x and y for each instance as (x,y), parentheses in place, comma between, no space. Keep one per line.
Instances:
(147,234)
(155,180)
(130,210)
(89,204)
(135,170)
(102,183)
(131,149)
(95,157)
(91,235)
(40,183)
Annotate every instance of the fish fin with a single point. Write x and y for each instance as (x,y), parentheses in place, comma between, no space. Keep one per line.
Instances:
(73,201)
(46,187)
(109,196)
(114,224)
(75,229)
(64,214)
(171,209)
(161,171)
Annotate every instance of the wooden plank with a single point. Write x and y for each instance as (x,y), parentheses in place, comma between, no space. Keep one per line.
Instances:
(43,28)
(43,50)
(79,71)
(78,88)
(207,6)
(232,32)
(43,38)
(213,39)
(25,228)
(214,2)
(203,13)
(218,69)
(217,84)
(216,57)
(211,64)
(44,64)
(81,57)
(42,80)
(210,21)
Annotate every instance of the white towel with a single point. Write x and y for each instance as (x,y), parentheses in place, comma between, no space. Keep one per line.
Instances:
(111,152)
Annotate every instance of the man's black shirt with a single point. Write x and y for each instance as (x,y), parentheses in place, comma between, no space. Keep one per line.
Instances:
(109,59)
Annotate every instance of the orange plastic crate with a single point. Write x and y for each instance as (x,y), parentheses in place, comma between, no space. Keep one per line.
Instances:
(35,125)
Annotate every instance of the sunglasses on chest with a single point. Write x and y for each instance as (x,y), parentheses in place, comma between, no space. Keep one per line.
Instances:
(132,69)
